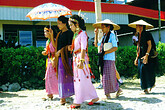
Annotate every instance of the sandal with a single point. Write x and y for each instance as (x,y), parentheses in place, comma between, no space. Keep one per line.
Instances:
(145,92)
(119,92)
(50,96)
(49,99)
(62,101)
(108,96)
(94,101)
(74,106)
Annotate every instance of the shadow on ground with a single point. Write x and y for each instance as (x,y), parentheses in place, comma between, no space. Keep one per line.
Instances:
(1,101)
(131,86)
(140,99)
(103,106)
(154,93)
(9,95)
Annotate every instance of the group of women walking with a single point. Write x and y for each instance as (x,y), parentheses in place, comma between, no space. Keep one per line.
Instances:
(66,77)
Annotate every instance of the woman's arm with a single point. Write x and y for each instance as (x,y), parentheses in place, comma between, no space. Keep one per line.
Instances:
(52,37)
(149,46)
(96,37)
(145,58)
(113,49)
(82,60)
(114,44)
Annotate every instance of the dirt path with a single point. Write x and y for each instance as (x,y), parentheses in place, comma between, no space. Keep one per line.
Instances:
(131,99)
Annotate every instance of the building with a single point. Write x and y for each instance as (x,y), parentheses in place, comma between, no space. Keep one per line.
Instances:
(14,23)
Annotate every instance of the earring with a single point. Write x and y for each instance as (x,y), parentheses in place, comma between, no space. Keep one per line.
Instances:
(77,29)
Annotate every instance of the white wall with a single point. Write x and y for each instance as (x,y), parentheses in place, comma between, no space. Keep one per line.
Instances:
(26,22)
(127,40)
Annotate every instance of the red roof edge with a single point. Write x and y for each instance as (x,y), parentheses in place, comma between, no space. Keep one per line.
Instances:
(88,6)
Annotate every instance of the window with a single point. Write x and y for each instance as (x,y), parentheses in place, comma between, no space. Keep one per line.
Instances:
(25,38)
(40,38)
(28,35)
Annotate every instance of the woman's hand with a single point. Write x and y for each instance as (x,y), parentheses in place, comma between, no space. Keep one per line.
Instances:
(96,31)
(43,52)
(53,62)
(136,62)
(145,59)
(57,54)
(80,65)
(69,47)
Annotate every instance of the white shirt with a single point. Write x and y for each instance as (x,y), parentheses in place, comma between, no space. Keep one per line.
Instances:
(135,37)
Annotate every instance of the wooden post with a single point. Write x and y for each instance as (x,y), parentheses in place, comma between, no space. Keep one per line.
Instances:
(98,16)
(159,20)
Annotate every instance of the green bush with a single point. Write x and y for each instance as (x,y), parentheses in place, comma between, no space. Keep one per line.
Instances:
(92,51)
(22,64)
(125,61)
(161,59)
(28,64)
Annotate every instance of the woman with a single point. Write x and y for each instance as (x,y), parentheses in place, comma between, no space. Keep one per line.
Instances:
(135,38)
(109,79)
(84,90)
(144,50)
(62,60)
(51,82)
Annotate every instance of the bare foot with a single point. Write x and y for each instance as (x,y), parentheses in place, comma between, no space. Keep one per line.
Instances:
(62,101)
(108,96)
(95,100)
(152,87)
(119,92)
(50,96)
(145,92)
(75,106)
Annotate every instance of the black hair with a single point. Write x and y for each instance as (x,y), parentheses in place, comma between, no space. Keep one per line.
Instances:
(80,20)
(144,27)
(111,26)
(54,28)
(64,20)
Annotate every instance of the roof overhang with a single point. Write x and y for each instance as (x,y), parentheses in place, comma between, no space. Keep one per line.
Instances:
(89,7)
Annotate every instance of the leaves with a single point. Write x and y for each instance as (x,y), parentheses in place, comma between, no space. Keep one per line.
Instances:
(21,64)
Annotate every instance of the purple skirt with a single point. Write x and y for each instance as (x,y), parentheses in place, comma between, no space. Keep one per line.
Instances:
(65,81)
(110,84)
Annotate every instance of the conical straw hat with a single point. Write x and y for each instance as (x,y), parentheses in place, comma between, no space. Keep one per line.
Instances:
(140,22)
(106,21)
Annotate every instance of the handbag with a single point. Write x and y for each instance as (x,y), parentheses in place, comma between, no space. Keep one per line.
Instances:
(100,62)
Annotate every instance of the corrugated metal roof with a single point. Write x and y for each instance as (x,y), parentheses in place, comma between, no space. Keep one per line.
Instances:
(18,13)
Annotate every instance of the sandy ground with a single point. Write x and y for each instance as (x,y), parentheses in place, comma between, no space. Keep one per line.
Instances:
(131,99)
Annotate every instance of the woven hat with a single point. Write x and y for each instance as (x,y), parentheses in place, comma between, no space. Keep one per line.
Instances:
(140,22)
(106,21)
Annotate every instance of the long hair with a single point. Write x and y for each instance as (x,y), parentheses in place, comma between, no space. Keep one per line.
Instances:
(64,20)
(80,20)
(54,28)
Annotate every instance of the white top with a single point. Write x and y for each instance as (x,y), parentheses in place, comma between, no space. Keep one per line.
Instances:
(135,37)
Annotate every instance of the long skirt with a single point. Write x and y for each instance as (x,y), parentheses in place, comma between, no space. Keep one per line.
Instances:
(51,82)
(147,74)
(109,80)
(84,89)
(65,81)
